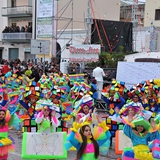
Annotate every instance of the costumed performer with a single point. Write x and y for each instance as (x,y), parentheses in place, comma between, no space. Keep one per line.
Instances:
(94,88)
(86,112)
(141,132)
(154,145)
(5,143)
(128,112)
(87,144)
(133,108)
(47,119)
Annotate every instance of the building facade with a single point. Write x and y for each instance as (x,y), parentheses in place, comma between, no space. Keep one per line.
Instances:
(16,14)
(126,13)
(152,13)
(16,29)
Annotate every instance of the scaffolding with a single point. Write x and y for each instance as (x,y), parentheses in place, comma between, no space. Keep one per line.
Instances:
(58,16)
(135,17)
(135,22)
(88,22)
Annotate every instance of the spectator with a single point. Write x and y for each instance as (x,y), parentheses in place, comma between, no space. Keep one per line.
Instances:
(17,29)
(94,88)
(112,76)
(26,28)
(22,29)
(29,29)
(5,68)
(98,74)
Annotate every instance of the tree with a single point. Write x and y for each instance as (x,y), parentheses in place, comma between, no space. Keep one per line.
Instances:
(107,59)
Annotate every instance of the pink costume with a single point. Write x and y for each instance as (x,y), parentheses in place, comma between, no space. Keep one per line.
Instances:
(5,143)
(44,124)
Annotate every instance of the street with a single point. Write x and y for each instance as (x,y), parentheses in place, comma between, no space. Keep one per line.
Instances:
(17,140)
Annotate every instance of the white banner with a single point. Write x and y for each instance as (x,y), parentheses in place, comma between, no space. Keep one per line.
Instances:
(133,73)
(44,8)
(44,18)
(45,144)
(84,53)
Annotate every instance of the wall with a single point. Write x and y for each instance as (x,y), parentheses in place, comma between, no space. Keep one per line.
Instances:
(21,50)
(143,39)
(132,57)
(3,20)
(20,23)
(21,2)
(104,9)
(78,39)
(150,7)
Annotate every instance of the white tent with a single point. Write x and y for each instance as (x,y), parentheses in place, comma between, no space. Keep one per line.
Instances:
(132,57)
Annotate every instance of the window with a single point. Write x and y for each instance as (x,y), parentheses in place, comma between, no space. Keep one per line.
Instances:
(13,3)
(13,24)
(30,2)
(157,14)
(30,24)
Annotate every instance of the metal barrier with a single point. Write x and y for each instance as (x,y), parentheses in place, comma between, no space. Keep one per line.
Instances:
(89,70)
(6,11)
(17,35)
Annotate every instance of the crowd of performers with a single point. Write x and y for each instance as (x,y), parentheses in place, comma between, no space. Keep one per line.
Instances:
(69,98)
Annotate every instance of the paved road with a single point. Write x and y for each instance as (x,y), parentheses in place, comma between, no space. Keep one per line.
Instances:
(16,155)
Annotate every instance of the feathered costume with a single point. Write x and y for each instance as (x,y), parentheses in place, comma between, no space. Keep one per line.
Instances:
(100,133)
(140,142)
(5,143)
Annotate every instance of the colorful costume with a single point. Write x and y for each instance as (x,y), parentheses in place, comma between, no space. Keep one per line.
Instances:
(5,142)
(140,143)
(155,148)
(44,124)
(101,134)
(94,89)
(47,124)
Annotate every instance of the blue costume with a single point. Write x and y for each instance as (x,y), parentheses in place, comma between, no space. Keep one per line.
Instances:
(140,143)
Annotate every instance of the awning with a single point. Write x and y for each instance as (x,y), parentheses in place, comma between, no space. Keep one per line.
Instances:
(27,49)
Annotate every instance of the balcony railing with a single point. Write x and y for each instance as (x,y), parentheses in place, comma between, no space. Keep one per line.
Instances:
(17,37)
(17,11)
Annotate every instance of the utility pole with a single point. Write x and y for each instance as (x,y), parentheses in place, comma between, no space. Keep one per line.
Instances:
(135,22)
(89,22)
(42,50)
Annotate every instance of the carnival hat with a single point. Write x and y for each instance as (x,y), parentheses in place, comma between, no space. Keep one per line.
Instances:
(141,121)
(28,72)
(126,108)
(157,119)
(57,109)
(41,103)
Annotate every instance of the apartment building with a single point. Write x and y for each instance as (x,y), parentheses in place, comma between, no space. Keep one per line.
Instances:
(16,29)
(152,13)
(16,14)
(126,13)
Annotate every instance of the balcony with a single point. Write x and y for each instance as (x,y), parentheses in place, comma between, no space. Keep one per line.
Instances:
(17,37)
(22,11)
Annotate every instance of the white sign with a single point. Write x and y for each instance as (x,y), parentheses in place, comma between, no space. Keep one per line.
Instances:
(84,53)
(46,146)
(133,73)
(44,18)
(40,46)
(44,8)
(123,141)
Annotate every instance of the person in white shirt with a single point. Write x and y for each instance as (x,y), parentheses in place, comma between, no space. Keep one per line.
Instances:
(98,74)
